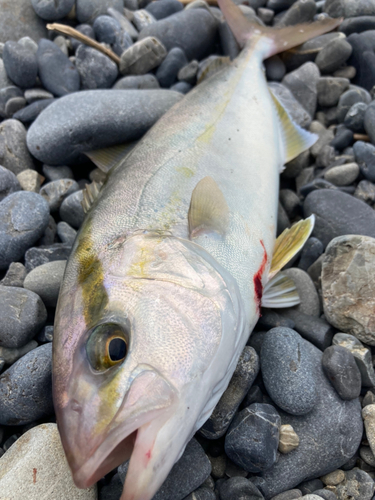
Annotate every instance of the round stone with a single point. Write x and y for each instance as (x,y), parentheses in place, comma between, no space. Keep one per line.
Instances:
(14,154)
(46,280)
(106,28)
(71,210)
(333,55)
(365,156)
(88,10)
(342,175)
(8,183)
(341,370)
(97,71)
(56,191)
(20,64)
(51,10)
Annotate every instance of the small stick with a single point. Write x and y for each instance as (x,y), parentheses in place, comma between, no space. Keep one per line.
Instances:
(361,137)
(68,30)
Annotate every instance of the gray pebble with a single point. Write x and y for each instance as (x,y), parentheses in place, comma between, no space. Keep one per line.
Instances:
(295,109)
(330,90)
(55,192)
(306,290)
(346,101)
(341,370)
(312,249)
(333,55)
(147,81)
(14,105)
(365,156)
(18,19)
(290,202)
(29,380)
(23,314)
(354,118)
(325,494)
(239,488)
(56,173)
(315,330)
(66,233)
(188,73)
(71,210)
(142,18)
(125,24)
(275,68)
(342,175)
(303,84)
(169,68)
(97,71)
(358,485)
(14,154)
(288,495)
(106,28)
(8,183)
(45,280)
(30,112)
(183,87)
(20,64)
(88,10)
(362,356)
(365,191)
(37,256)
(85,29)
(49,234)
(10,356)
(302,11)
(228,42)
(202,493)
(46,334)
(15,276)
(142,57)
(164,8)
(52,10)
(7,93)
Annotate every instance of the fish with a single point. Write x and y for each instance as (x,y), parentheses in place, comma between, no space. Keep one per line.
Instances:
(176,256)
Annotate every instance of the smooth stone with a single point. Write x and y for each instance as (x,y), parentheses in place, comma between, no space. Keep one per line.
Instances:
(29,113)
(85,29)
(362,356)
(348,72)
(5,81)
(357,24)
(355,117)
(342,139)
(358,485)
(341,370)
(15,276)
(365,191)
(201,494)
(288,495)
(10,356)
(192,30)
(55,192)
(188,73)
(48,237)
(29,380)
(14,154)
(147,81)
(56,72)
(279,5)
(270,319)
(347,286)
(311,251)
(164,8)
(18,19)
(183,87)
(8,183)
(369,122)
(23,219)
(335,477)
(283,221)
(312,328)
(45,280)
(368,414)
(309,486)
(14,105)
(367,455)
(37,256)
(52,10)
(325,136)
(331,209)
(363,60)
(142,18)
(142,57)
(266,15)
(306,290)
(325,494)
(287,371)
(28,43)
(71,210)
(88,10)
(330,89)
(302,11)
(228,42)
(20,64)
(290,202)
(30,180)
(329,435)
(243,377)
(6,94)
(295,167)
(45,335)
(66,233)
(112,489)
(275,68)
(303,84)
(346,101)
(295,109)
(56,173)
(36,464)
(127,27)
(289,440)
(97,71)
(66,128)
(343,175)
(105,29)
(23,314)
(333,55)
(169,68)
(237,488)
(191,470)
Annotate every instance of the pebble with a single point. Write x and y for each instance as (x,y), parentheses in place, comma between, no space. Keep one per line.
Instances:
(288,495)
(88,10)
(347,100)
(97,71)
(142,57)
(315,330)
(365,191)
(201,494)
(8,183)
(333,55)
(46,334)
(71,210)
(333,426)
(192,30)
(14,154)
(30,180)
(302,11)
(309,486)
(127,27)
(55,192)
(23,315)
(29,113)
(45,280)
(296,111)
(85,29)
(341,370)
(303,84)
(183,87)
(164,8)
(311,251)
(287,371)
(325,494)
(66,233)
(325,137)
(290,202)
(253,437)
(294,167)
(57,73)
(14,105)
(95,119)
(358,485)
(18,19)
(20,64)
(147,81)
(343,175)
(367,455)
(37,256)
(169,68)
(333,478)
(361,354)
(363,59)
(23,219)
(10,356)
(306,290)
(270,319)
(343,138)
(243,377)
(49,234)
(15,276)
(275,68)
(56,173)
(237,488)
(6,94)
(29,380)
(354,118)
(288,439)
(357,24)
(347,285)
(330,89)
(142,18)
(331,220)
(191,470)
(52,10)
(36,464)
(106,29)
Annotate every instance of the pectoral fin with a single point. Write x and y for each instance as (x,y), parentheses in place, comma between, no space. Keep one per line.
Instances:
(107,158)
(208,210)
(280,292)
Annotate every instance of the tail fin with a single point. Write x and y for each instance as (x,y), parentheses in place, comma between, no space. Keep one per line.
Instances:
(277,40)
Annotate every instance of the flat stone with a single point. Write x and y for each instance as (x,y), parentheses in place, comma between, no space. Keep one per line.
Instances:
(331,209)
(243,377)
(341,370)
(142,57)
(192,30)
(303,84)
(18,19)
(330,89)
(8,183)
(288,439)
(37,256)
(287,371)
(29,380)
(23,219)
(97,71)
(35,464)
(30,180)
(252,439)
(45,280)
(15,276)
(88,10)
(14,154)
(342,175)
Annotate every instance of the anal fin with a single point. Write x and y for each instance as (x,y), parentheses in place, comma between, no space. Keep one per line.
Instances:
(107,158)
(280,292)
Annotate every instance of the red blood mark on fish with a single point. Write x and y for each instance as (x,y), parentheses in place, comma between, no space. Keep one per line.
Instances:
(34,475)
(258,287)
(148,454)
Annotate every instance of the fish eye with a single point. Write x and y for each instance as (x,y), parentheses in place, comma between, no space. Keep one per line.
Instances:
(107,346)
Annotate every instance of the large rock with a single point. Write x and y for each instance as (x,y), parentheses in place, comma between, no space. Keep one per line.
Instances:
(95,119)
(18,19)
(348,286)
(35,465)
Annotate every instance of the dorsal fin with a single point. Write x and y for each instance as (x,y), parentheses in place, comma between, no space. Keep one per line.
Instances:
(107,158)
(295,138)
(208,210)
(90,193)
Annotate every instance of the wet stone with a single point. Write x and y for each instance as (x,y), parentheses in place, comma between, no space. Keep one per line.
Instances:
(362,356)
(243,377)
(45,280)
(28,380)
(8,183)
(341,370)
(142,18)
(37,256)
(270,319)
(14,154)
(342,139)
(15,275)
(97,71)
(367,455)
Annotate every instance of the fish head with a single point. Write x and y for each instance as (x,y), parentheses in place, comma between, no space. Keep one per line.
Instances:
(138,325)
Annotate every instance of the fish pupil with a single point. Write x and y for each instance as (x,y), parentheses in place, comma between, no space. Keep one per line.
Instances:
(117,349)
